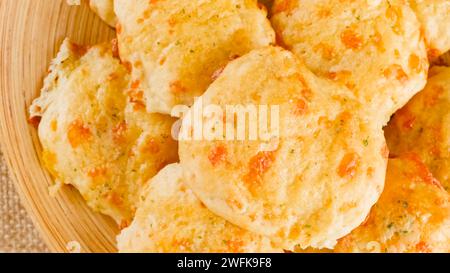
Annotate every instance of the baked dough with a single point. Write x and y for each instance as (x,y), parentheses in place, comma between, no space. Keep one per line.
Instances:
(434,15)
(104,9)
(423,126)
(374,47)
(322,178)
(412,215)
(95,133)
(173,220)
(174,47)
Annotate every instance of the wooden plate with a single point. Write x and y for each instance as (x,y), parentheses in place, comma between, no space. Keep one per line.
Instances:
(30,34)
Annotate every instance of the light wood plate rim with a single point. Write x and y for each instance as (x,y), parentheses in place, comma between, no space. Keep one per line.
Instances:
(31,32)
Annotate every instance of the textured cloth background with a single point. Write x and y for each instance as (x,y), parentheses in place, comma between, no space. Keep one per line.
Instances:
(17,233)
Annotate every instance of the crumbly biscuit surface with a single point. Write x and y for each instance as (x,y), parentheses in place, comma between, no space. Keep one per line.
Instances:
(172,219)
(321,179)
(174,47)
(96,134)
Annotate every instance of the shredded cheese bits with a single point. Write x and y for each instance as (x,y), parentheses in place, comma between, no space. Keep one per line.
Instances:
(347,167)
(78,133)
(217,155)
(351,39)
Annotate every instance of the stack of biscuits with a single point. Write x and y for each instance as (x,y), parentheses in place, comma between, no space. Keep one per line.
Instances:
(359,160)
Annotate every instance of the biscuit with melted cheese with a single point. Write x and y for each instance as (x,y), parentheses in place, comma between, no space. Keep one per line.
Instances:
(96,134)
(104,9)
(412,215)
(172,219)
(434,15)
(310,183)
(374,47)
(423,126)
(175,47)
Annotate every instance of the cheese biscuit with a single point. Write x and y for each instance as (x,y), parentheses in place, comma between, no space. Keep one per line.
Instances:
(96,134)
(174,48)
(309,183)
(434,15)
(412,215)
(423,126)
(104,9)
(172,219)
(373,47)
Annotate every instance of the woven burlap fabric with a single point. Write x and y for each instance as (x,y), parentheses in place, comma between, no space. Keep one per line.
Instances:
(17,233)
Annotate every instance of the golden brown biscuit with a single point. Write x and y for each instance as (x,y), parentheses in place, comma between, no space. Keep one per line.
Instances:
(96,134)
(434,15)
(423,126)
(412,215)
(172,219)
(104,9)
(374,47)
(174,47)
(322,178)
